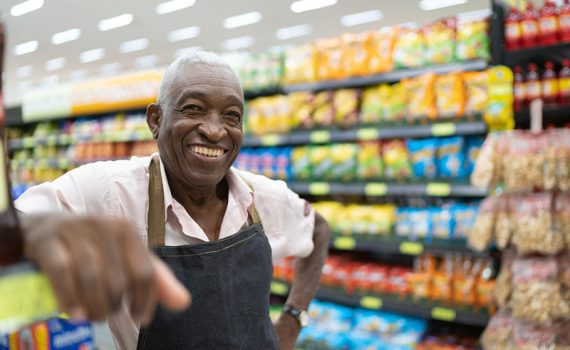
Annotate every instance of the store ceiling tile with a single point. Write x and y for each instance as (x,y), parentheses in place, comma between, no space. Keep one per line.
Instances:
(57,16)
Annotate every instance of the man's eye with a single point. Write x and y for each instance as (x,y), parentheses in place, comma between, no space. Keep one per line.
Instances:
(194,108)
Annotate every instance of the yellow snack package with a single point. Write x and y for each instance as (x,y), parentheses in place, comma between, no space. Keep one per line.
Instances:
(499,114)
(321,162)
(346,106)
(330,58)
(420,97)
(382,219)
(330,211)
(410,48)
(255,120)
(394,101)
(323,108)
(440,41)
(300,64)
(381,50)
(476,92)
(449,95)
(360,217)
(301,109)
(372,108)
(357,53)
(369,162)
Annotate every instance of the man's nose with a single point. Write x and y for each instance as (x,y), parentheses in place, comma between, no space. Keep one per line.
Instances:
(213,128)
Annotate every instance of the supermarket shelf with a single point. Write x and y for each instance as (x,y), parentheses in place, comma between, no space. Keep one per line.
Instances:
(558,115)
(63,140)
(276,90)
(396,245)
(368,134)
(389,77)
(391,303)
(434,189)
(537,54)
(62,163)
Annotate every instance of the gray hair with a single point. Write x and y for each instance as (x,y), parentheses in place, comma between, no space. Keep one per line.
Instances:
(200,57)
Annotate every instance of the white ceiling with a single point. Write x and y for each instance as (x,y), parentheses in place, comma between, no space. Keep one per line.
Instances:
(59,15)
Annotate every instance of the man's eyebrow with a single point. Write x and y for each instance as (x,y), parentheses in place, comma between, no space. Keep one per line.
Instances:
(200,95)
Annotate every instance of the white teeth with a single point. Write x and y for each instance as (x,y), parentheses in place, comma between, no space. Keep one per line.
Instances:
(207,152)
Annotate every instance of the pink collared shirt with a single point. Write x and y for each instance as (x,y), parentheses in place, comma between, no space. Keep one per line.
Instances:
(120,189)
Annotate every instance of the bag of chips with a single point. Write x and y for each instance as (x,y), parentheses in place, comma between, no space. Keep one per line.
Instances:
(476,87)
(423,157)
(300,64)
(356,53)
(449,95)
(409,48)
(381,50)
(440,41)
(420,97)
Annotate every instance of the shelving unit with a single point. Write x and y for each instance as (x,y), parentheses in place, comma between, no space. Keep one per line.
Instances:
(537,54)
(552,115)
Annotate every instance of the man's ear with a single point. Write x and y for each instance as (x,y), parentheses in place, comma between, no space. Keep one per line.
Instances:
(153,115)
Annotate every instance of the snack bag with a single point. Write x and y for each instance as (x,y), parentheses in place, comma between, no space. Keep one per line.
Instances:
(451,157)
(485,285)
(442,222)
(346,106)
(330,59)
(300,64)
(409,48)
(395,102)
(403,223)
(255,119)
(476,87)
(423,157)
(301,110)
(321,162)
(472,150)
(528,336)
(283,164)
(396,162)
(472,37)
(301,166)
(372,110)
(381,50)
(504,221)
(443,280)
(382,219)
(482,232)
(419,96)
(449,95)
(343,162)
(440,41)
(357,53)
(421,224)
(498,333)
(563,160)
(562,216)
(422,278)
(369,161)
(323,107)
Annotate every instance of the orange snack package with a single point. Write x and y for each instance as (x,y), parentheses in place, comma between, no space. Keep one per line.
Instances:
(464,278)
(381,50)
(475,92)
(357,53)
(330,61)
(421,279)
(449,95)
(420,97)
(442,280)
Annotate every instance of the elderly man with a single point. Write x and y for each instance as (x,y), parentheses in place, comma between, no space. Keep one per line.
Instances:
(217,228)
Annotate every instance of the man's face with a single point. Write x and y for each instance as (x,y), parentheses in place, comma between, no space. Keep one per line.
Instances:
(200,129)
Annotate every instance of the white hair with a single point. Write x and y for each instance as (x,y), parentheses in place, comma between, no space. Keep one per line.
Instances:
(195,57)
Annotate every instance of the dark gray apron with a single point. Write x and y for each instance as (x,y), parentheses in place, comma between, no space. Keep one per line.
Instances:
(230,284)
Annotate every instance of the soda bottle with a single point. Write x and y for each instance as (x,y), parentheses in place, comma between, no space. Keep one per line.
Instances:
(513,32)
(533,86)
(549,84)
(564,82)
(564,20)
(519,88)
(548,23)
(529,26)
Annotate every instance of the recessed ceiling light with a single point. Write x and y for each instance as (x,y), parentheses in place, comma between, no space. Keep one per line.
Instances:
(24,71)
(55,64)
(428,5)
(238,43)
(186,50)
(66,36)
(115,22)
(242,20)
(293,32)
(308,5)
(173,5)
(79,74)
(361,18)
(147,61)
(111,68)
(25,48)
(134,45)
(91,55)
(26,7)
(183,34)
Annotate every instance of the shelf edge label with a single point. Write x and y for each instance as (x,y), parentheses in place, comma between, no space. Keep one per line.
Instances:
(319,188)
(438,189)
(443,129)
(369,302)
(270,140)
(376,189)
(411,248)
(344,243)
(368,134)
(320,136)
(443,314)
(279,288)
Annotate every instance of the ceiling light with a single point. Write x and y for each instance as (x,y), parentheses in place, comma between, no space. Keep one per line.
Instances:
(186,50)
(173,5)
(147,61)
(66,36)
(308,5)
(24,71)
(25,48)
(79,74)
(183,34)
(242,20)
(115,22)
(111,68)
(55,64)
(293,32)
(134,45)
(428,5)
(238,43)
(26,7)
(361,18)
(91,55)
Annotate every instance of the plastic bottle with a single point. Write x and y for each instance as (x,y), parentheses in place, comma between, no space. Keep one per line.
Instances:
(564,20)
(548,23)
(564,82)
(533,86)
(519,89)
(513,31)
(549,84)
(529,25)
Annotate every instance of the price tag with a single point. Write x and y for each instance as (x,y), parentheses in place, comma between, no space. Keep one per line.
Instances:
(51,140)
(28,142)
(443,129)
(369,302)
(320,136)
(279,288)
(438,189)
(344,243)
(376,189)
(368,134)
(319,188)
(411,248)
(443,314)
(270,140)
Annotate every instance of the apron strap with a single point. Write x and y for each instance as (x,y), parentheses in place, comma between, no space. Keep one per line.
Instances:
(156,222)
(253,214)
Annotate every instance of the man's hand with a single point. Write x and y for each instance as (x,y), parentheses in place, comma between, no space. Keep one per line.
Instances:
(93,263)
(287,329)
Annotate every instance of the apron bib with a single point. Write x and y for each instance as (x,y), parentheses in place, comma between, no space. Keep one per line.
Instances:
(230,284)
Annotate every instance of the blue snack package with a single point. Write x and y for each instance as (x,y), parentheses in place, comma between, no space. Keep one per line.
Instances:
(442,222)
(403,223)
(423,157)
(464,216)
(421,224)
(451,157)
(283,164)
(473,146)
(53,334)
(391,331)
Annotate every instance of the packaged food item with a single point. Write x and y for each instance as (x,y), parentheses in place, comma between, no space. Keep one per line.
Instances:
(301,110)
(449,95)
(440,41)
(301,168)
(420,97)
(370,330)
(373,104)
(321,162)
(356,53)
(382,218)
(503,289)
(403,223)
(323,109)
(513,30)
(529,25)
(472,149)
(519,88)
(343,161)
(529,336)
(472,37)
(451,157)
(464,216)
(442,288)
(562,143)
(409,48)
(396,102)
(346,106)
(504,221)
(396,163)
(442,222)
(330,59)
(464,280)
(563,261)
(421,224)
(549,81)
(56,334)
(485,285)
(423,157)
(498,333)
(369,162)
(562,216)
(486,172)
(422,278)
(381,50)
(300,64)
(499,113)
(482,231)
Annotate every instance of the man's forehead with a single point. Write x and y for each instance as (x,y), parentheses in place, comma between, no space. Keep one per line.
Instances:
(199,73)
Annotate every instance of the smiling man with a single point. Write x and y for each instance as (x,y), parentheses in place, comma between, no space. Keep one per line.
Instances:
(217,228)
